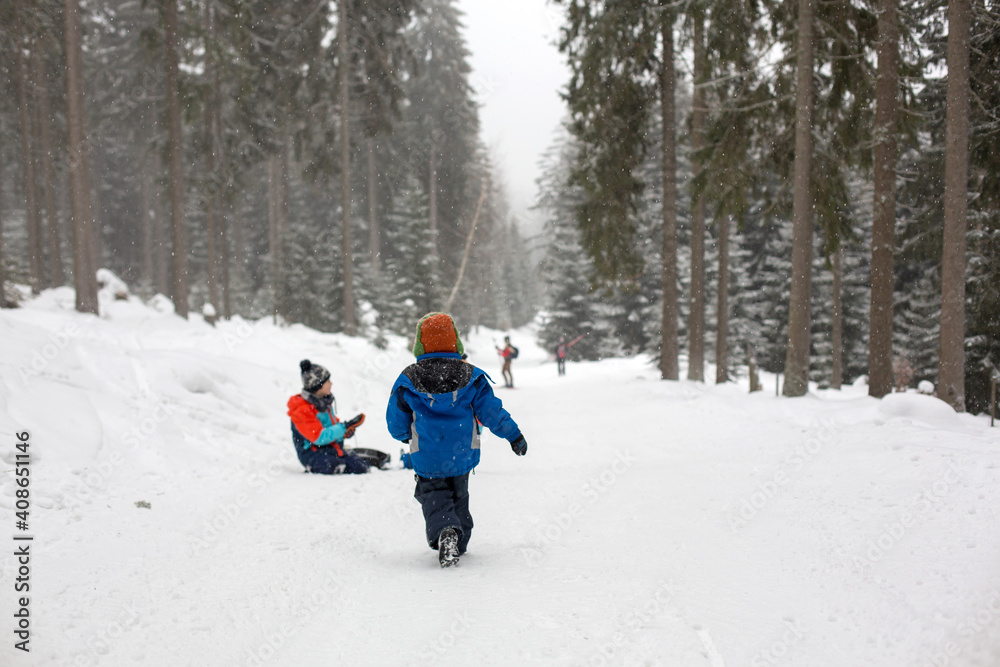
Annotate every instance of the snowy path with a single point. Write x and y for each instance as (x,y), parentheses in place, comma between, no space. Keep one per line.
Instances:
(651,523)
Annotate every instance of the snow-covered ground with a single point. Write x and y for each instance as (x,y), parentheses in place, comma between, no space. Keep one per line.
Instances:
(651,523)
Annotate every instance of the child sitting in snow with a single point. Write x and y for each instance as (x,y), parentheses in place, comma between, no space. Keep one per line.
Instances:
(434,407)
(317,433)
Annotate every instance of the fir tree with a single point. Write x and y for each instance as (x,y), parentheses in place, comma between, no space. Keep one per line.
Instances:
(570,307)
(411,276)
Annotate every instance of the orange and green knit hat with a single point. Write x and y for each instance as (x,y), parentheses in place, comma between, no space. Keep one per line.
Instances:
(436,332)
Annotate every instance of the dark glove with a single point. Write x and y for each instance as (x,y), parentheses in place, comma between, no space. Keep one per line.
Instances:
(520,445)
(352,424)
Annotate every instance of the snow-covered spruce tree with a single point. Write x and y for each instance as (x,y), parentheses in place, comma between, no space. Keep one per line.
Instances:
(410,265)
(744,335)
(565,269)
(499,266)
(622,59)
(918,284)
(855,305)
(822,351)
(519,291)
(831,82)
(739,151)
(982,347)
(847,220)
(310,259)
(917,325)
(768,246)
(440,125)
(633,306)
(983,341)
(855,282)
(476,302)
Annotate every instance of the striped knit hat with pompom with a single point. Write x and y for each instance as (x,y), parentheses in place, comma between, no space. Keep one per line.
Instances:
(436,332)
(314,376)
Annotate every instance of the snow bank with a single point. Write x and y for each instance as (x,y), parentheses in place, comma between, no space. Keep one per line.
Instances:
(654,523)
(909,407)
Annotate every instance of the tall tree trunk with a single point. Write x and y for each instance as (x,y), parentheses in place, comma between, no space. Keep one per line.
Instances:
(277,219)
(97,166)
(239,246)
(273,234)
(224,259)
(797,357)
(211,232)
(146,217)
(722,306)
(175,157)
(884,204)
(951,365)
(212,181)
(668,347)
(696,326)
(837,336)
(56,275)
(32,209)
(432,199)
(374,241)
(221,195)
(161,246)
(3,289)
(81,212)
(152,165)
(347,246)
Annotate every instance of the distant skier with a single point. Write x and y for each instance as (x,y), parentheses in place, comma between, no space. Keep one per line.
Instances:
(317,433)
(508,352)
(561,350)
(434,407)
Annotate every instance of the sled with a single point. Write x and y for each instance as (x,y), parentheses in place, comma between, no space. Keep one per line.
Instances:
(374,457)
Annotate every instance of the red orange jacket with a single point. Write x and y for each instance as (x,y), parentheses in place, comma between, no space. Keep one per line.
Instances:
(311,424)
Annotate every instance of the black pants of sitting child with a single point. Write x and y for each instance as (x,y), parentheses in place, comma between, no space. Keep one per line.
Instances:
(324,461)
(445,503)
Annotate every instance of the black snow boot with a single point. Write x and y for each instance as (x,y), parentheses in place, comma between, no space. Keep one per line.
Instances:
(448,547)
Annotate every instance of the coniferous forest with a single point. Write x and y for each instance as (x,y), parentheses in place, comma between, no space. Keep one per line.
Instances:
(833,166)
(314,162)
(808,188)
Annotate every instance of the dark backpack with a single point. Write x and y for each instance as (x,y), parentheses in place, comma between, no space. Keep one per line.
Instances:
(513,352)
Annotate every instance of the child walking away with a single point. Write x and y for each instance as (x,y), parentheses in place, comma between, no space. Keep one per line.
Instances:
(316,432)
(509,353)
(434,407)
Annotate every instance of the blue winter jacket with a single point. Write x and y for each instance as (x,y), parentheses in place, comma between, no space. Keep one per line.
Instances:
(434,405)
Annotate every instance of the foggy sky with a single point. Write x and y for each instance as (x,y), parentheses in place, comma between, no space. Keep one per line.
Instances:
(517,75)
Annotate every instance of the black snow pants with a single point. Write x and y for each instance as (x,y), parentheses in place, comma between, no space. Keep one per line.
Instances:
(445,503)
